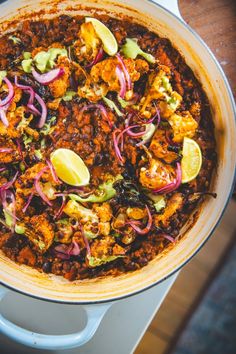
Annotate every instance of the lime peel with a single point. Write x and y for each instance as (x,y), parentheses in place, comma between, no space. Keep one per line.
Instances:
(70,168)
(192,160)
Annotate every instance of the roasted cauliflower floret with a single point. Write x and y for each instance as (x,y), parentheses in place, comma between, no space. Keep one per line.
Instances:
(120,220)
(64,231)
(39,231)
(22,194)
(103,78)
(173,205)
(14,117)
(12,154)
(136,213)
(104,250)
(170,105)
(31,173)
(159,147)
(25,182)
(104,228)
(156,175)
(94,222)
(59,86)
(92,91)
(77,211)
(183,125)
(88,44)
(105,72)
(18,124)
(153,90)
(160,89)
(103,211)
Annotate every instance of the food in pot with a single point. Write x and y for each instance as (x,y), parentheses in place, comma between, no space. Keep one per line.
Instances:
(106,145)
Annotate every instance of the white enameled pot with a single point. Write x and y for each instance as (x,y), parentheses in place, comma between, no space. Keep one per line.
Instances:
(167,23)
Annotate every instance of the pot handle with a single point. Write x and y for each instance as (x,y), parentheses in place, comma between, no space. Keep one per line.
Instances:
(171,5)
(95,314)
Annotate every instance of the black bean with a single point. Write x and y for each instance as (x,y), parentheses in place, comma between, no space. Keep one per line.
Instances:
(46,267)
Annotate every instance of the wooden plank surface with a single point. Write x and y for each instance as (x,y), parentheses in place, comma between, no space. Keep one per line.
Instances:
(215,22)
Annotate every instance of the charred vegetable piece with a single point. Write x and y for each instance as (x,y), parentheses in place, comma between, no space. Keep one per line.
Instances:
(39,231)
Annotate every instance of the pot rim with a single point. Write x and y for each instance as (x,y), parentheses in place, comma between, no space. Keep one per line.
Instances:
(230,190)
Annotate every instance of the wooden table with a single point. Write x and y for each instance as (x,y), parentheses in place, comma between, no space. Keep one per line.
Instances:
(215,22)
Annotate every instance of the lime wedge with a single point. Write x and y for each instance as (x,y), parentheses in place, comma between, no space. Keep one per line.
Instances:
(192,160)
(70,168)
(109,42)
